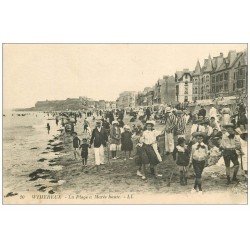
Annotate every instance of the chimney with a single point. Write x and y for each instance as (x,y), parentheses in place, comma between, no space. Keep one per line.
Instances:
(221,54)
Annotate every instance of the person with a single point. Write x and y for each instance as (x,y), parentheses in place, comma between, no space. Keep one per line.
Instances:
(180,126)
(57,120)
(198,158)
(213,113)
(226,118)
(115,139)
(106,126)
(181,156)
(241,129)
(214,152)
(48,127)
(243,156)
(84,151)
(99,138)
(242,119)
(202,112)
(213,123)
(126,142)
(85,125)
(170,122)
(207,130)
(216,137)
(149,139)
(231,148)
(197,126)
(141,159)
(76,144)
(148,113)
(186,116)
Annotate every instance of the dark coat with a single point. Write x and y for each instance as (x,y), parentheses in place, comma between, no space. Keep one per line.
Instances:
(99,138)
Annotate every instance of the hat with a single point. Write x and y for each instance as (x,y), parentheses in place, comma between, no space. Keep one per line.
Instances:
(150,122)
(244,136)
(98,121)
(126,127)
(168,110)
(115,122)
(229,125)
(196,134)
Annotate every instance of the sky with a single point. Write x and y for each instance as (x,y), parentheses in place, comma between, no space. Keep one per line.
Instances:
(36,72)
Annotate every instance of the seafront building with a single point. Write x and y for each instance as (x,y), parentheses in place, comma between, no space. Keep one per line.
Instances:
(218,76)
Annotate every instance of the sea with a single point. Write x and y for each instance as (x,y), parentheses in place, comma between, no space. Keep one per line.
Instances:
(25,138)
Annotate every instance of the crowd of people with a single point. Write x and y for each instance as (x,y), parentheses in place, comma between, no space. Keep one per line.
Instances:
(199,138)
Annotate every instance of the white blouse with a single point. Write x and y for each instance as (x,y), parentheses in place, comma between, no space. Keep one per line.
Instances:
(149,137)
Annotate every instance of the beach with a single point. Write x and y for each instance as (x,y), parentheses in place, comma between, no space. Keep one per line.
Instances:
(40,168)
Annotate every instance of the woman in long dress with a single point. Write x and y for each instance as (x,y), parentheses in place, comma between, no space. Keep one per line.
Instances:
(226,118)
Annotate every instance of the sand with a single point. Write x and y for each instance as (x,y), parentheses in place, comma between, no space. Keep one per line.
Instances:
(116,182)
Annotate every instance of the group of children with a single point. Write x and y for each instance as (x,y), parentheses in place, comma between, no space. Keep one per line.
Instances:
(200,153)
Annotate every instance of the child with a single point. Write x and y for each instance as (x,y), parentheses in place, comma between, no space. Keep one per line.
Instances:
(115,137)
(76,144)
(126,141)
(141,159)
(84,151)
(243,155)
(85,125)
(215,153)
(149,139)
(198,158)
(181,156)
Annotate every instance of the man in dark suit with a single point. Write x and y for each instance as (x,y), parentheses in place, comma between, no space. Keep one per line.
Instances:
(202,112)
(99,138)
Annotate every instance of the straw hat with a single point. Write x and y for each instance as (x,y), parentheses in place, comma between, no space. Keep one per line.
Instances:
(168,110)
(115,122)
(150,122)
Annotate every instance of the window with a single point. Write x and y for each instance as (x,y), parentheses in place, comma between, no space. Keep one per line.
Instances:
(240,72)
(217,78)
(234,75)
(226,75)
(213,79)
(221,77)
(186,90)
(239,84)
(234,87)
(207,78)
(213,88)
(226,86)
(177,89)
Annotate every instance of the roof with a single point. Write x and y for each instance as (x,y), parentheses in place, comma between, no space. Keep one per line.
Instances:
(197,70)
(179,74)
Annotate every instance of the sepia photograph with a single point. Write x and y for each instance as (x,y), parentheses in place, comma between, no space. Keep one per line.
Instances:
(125,123)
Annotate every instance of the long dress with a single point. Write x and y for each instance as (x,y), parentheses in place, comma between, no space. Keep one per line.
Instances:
(225,116)
(126,141)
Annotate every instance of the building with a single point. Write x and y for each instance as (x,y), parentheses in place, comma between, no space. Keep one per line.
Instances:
(126,99)
(184,86)
(205,83)
(196,81)
(101,104)
(157,91)
(167,90)
(230,75)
